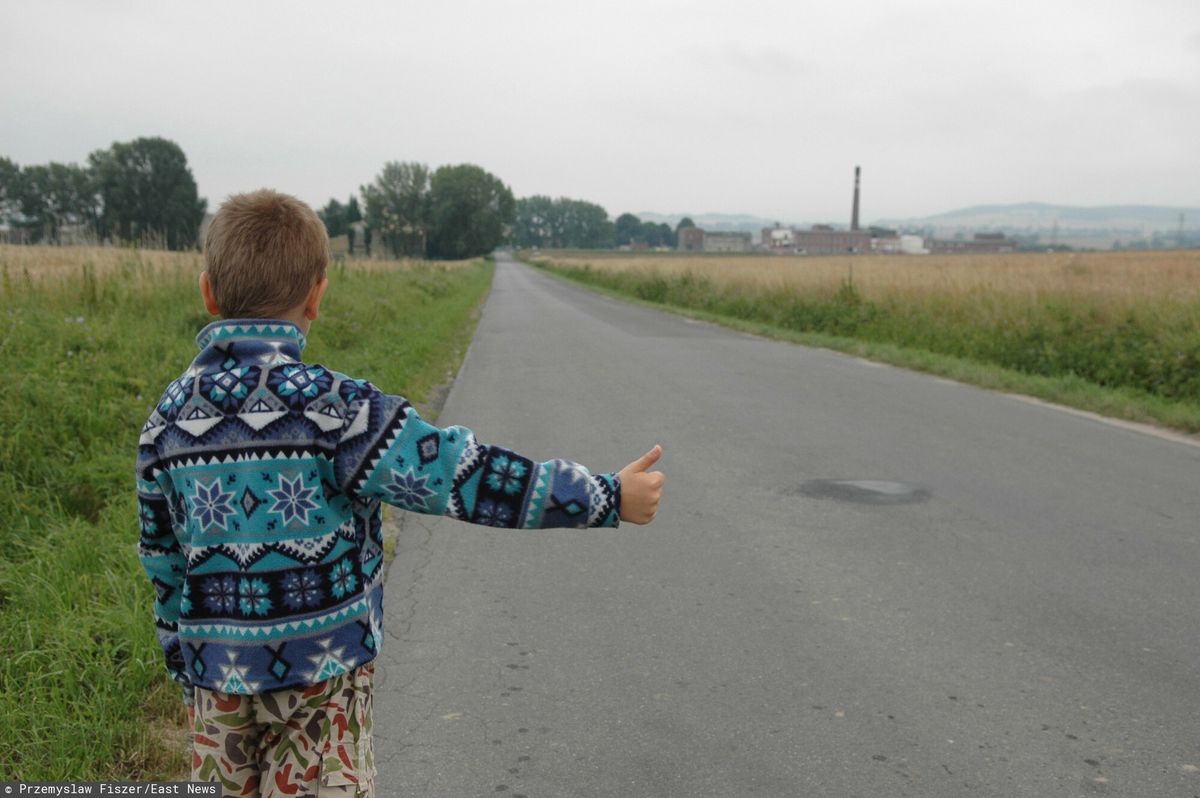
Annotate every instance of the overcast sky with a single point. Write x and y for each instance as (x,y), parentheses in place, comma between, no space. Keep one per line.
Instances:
(728,107)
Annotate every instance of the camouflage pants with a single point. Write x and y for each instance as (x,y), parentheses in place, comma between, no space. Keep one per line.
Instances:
(306,742)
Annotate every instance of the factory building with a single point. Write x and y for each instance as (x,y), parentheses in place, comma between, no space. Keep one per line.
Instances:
(821,239)
(694,239)
(824,239)
(691,239)
(981,243)
(727,242)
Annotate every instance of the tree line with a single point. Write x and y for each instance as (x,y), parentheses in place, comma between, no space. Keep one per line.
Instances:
(578,224)
(461,211)
(137,191)
(452,212)
(143,192)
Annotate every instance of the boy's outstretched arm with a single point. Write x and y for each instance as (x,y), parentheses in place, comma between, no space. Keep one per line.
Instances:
(388,453)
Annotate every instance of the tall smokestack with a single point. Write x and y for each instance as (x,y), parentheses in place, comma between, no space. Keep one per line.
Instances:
(854,213)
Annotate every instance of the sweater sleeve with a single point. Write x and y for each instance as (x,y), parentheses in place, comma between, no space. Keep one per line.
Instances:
(387,452)
(164,562)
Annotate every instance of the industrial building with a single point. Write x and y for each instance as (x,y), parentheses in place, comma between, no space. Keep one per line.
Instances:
(981,243)
(694,239)
(824,239)
(728,242)
(690,239)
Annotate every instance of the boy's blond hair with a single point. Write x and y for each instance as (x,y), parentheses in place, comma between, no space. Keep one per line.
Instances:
(264,251)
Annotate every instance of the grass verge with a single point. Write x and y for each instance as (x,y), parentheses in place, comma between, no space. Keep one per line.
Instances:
(695,297)
(83,692)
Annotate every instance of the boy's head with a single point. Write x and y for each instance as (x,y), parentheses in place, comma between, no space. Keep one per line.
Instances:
(264,254)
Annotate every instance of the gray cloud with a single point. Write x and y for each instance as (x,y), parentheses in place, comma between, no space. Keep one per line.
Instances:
(769,63)
(762,107)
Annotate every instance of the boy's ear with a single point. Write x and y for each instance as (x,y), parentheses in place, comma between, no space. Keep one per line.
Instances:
(210,302)
(312,305)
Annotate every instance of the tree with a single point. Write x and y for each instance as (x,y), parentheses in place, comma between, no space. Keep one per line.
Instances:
(55,197)
(583,225)
(628,229)
(334,217)
(543,222)
(658,235)
(398,206)
(148,192)
(531,221)
(10,192)
(684,222)
(470,210)
(602,234)
(352,216)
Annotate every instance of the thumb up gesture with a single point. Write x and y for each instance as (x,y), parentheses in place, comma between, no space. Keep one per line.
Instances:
(640,488)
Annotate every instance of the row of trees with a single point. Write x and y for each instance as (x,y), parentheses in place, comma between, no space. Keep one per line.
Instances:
(452,212)
(462,211)
(137,191)
(143,191)
(632,230)
(577,224)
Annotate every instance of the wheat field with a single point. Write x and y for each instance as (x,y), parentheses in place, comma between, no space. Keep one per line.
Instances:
(1102,277)
(47,265)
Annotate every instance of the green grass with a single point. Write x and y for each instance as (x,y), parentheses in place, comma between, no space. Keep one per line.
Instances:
(1142,364)
(83,692)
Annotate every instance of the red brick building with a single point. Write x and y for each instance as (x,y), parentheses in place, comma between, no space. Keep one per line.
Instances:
(691,239)
(981,243)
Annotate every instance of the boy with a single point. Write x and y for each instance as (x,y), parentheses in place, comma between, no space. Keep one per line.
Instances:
(260,479)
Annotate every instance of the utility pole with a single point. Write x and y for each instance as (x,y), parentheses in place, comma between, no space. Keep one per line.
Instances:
(854,213)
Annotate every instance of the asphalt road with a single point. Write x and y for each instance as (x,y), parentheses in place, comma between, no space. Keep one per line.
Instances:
(1004,605)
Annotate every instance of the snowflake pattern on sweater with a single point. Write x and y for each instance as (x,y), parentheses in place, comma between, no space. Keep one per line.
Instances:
(259,482)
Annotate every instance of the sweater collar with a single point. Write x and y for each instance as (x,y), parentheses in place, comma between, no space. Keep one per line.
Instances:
(286,336)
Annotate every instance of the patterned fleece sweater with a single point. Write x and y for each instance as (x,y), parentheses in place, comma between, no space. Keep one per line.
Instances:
(259,482)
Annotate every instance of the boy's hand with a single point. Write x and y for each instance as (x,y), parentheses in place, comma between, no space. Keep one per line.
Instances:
(641,489)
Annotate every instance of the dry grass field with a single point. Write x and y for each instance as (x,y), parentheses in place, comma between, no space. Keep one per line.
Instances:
(1105,277)
(44,266)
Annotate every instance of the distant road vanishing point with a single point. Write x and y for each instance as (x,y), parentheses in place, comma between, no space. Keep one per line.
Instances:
(863,581)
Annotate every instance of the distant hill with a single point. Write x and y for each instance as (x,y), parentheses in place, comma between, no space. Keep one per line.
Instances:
(1097,227)
(730,222)
(1034,216)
